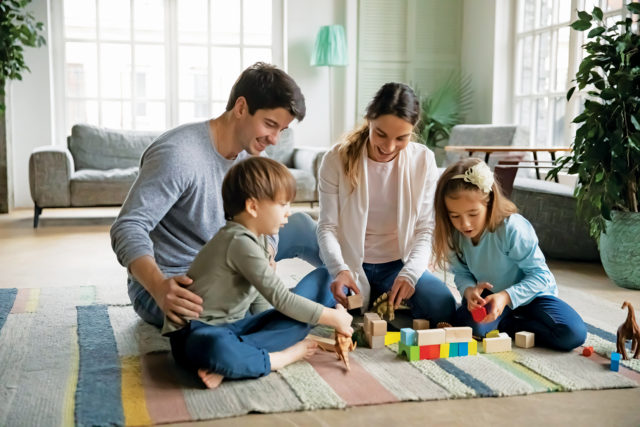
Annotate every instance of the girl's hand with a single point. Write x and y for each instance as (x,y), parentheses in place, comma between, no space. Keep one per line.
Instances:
(342,321)
(496,304)
(473,295)
(343,279)
(400,291)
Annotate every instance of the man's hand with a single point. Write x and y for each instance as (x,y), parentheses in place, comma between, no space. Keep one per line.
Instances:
(473,295)
(175,300)
(343,279)
(400,290)
(496,304)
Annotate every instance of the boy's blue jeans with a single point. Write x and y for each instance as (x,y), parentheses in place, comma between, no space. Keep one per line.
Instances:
(432,299)
(241,349)
(297,239)
(554,322)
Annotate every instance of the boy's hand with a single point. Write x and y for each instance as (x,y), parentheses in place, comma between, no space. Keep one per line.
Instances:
(175,300)
(496,304)
(473,295)
(343,279)
(400,291)
(342,321)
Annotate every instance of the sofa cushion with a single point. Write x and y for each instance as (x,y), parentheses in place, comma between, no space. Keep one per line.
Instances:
(283,150)
(99,148)
(305,185)
(91,187)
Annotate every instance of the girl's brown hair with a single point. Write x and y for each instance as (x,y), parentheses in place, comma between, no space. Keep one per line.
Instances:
(257,178)
(397,99)
(498,208)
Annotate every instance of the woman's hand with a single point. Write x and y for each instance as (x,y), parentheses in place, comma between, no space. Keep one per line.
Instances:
(496,304)
(473,295)
(400,291)
(343,279)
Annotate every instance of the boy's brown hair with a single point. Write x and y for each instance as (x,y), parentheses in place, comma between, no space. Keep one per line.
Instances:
(498,208)
(257,178)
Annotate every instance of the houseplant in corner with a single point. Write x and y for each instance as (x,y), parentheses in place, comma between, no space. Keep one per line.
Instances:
(606,150)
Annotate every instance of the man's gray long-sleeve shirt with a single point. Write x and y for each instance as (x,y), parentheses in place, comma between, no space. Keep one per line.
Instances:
(175,205)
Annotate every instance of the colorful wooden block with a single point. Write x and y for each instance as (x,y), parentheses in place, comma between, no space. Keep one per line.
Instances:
(615,361)
(458,334)
(493,334)
(525,339)
(587,351)
(375,341)
(420,324)
(444,350)
(354,301)
(408,336)
(430,336)
(497,344)
(453,349)
(479,314)
(463,349)
(473,347)
(429,352)
(391,338)
(378,327)
(412,352)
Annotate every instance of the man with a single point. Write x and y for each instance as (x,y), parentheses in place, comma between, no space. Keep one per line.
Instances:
(175,205)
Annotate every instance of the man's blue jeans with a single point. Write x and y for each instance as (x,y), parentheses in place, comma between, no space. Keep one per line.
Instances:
(297,239)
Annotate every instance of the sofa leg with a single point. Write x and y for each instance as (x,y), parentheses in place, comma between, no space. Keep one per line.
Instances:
(37,210)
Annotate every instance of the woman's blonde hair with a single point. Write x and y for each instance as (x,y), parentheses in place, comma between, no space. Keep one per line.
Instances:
(397,99)
(498,208)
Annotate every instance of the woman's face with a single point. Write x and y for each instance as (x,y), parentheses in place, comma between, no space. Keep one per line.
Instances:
(388,135)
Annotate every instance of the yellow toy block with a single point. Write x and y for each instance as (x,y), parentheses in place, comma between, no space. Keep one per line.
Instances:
(493,334)
(391,338)
(473,347)
(444,350)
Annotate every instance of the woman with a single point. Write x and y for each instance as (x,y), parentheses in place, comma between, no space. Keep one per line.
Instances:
(376,210)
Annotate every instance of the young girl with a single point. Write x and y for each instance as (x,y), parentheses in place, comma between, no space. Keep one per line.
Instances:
(493,253)
(237,334)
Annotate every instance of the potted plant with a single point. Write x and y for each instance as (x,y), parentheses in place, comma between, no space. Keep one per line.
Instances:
(606,150)
(18,29)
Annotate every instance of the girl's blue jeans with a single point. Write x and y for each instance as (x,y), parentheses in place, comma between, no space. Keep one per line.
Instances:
(241,349)
(555,324)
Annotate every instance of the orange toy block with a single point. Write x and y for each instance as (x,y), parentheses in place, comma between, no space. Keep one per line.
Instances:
(430,351)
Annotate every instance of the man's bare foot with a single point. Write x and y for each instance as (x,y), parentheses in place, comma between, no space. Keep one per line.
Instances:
(299,351)
(210,379)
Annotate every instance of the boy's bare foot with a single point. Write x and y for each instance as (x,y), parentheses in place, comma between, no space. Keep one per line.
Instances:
(210,379)
(299,351)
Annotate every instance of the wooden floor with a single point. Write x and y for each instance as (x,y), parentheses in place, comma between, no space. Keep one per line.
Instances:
(71,247)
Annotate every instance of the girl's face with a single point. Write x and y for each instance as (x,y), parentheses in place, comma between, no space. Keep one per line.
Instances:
(468,213)
(388,135)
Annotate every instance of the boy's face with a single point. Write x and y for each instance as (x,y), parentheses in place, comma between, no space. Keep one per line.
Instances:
(263,128)
(272,215)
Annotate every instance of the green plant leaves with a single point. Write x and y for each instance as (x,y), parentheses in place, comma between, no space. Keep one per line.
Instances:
(581,25)
(634,8)
(570,93)
(597,13)
(584,16)
(596,32)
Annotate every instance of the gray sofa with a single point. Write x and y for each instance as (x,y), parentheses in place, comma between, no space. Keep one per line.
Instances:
(98,166)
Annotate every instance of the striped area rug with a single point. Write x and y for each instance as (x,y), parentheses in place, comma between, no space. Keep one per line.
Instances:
(75,356)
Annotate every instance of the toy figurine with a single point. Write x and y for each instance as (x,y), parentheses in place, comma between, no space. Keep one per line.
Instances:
(629,330)
(343,346)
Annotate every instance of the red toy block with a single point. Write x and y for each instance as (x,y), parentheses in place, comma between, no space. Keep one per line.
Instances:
(430,351)
(587,351)
(479,314)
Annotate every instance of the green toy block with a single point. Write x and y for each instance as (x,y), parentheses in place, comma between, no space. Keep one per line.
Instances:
(412,352)
(453,349)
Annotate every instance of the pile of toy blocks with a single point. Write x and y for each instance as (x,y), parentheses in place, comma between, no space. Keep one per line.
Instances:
(375,330)
(436,343)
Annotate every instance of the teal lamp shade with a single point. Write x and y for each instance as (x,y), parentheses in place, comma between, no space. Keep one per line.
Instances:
(330,48)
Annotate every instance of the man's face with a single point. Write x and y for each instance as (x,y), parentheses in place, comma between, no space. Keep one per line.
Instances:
(262,129)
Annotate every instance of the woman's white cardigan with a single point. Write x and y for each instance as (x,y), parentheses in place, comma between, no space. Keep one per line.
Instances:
(343,214)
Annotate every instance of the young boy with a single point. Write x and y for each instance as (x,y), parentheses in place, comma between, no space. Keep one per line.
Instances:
(233,276)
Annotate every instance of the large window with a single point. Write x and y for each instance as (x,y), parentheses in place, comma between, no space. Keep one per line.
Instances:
(153,64)
(547,55)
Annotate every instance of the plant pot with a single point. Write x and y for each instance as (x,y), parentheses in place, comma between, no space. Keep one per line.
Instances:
(620,249)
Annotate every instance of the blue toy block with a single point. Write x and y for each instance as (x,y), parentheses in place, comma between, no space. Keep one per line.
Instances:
(615,361)
(463,349)
(453,349)
(408,336)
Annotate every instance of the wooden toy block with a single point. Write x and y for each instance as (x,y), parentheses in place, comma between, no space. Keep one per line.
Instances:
(444,350)
(493,334)
(587,351)
(368,318)
(615,361)
(354,301)
(429,352)
(458,334)
(453,349)
(391,338)
(463,349)
(420,324)
(430,336)
(412,352)
(378,327)
(479,314)
(375,341)
(497,344)
(408,336)
(473,347)
(327,344)
(525,339)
